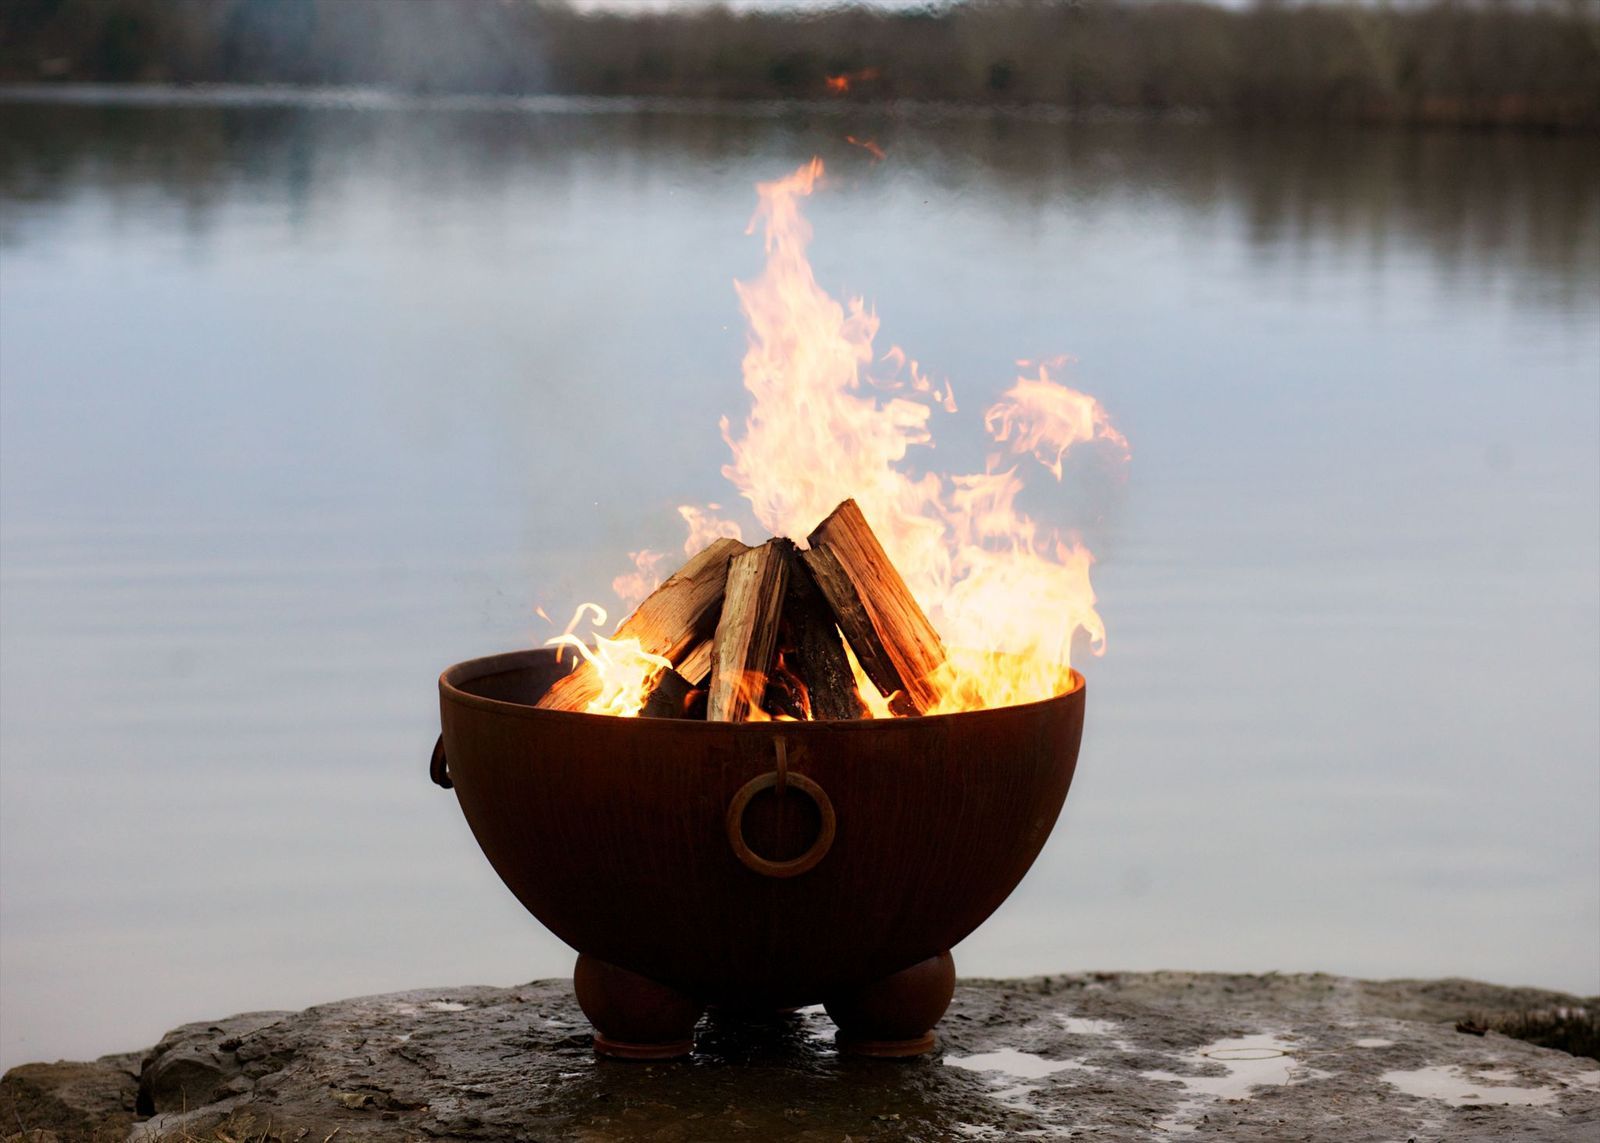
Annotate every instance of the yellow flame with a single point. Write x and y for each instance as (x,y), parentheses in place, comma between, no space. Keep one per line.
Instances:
(877,703)
(626,671)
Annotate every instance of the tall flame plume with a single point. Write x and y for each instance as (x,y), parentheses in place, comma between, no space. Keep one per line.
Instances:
(1008,595)
(830,419)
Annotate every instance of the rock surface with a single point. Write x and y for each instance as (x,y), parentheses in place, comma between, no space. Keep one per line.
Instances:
(1108,1056)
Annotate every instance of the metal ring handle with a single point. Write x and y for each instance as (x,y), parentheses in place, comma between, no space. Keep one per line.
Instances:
(807,860)
(438,767)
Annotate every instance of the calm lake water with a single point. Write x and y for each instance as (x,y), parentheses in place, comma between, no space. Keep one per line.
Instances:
(303,402)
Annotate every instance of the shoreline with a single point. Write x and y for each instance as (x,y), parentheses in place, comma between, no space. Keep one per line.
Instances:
(1123,1055)
(908,111)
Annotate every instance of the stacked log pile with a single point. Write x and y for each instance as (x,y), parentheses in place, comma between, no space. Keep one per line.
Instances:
(760,632)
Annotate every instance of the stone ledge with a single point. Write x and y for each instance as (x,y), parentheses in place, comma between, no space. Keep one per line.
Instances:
(1112,1056)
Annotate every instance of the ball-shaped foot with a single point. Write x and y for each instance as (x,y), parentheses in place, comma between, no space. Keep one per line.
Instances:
(894,1017)
(634,1017)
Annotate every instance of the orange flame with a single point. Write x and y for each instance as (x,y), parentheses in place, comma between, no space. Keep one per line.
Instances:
(870,146)
(841,83)
(705,527)
(645,577)
(753,693)
(1008,596)
(876,701)
(1039,416)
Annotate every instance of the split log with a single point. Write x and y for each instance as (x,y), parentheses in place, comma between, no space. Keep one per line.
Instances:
(896,645)
(671,698)
(747,632)
(679,615)
(811,649)
(696,665)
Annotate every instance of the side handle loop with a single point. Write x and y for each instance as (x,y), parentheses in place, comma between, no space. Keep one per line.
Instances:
(438,767)
(779,780)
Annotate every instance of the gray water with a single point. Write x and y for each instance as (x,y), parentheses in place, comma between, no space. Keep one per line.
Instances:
(303,402)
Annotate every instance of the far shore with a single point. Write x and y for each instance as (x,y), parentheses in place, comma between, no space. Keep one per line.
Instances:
(398,99)
(1455,63)
(352,98)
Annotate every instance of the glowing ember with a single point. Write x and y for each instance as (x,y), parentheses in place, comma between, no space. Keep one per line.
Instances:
(870,146)
(842,83)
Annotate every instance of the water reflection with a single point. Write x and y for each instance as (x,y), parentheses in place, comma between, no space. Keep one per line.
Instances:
(1477,203)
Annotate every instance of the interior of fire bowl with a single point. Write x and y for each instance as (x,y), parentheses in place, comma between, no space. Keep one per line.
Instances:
(757,867)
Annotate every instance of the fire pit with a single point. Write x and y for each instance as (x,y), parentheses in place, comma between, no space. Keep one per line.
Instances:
(753,866)
(779,780)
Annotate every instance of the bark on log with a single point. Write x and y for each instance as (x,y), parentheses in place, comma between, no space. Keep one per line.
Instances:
(896,645)
(678,615)
(747,632)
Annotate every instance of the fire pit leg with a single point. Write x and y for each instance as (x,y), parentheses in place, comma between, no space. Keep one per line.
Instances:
(634,1017)
(895,1016)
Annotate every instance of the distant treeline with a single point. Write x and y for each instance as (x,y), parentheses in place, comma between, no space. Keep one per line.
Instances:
(1469,62)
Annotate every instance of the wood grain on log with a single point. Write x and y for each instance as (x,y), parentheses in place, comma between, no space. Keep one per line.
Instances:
(696,665)
(747,632)
(893,640)
(679,615)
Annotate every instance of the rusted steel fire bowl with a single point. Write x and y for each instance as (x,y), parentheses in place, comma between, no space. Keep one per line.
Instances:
(756,867)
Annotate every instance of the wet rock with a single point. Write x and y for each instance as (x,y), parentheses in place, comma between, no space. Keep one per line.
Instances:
(1106,1056)
(44,1103)
(200,1064)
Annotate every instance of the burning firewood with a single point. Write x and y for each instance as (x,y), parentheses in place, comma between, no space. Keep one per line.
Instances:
(896,645)
(696,665)
(760,627)
(672,697)
(672,622)
(811,650)
(747,632)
